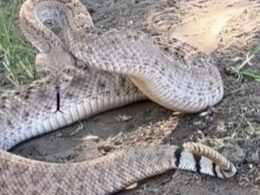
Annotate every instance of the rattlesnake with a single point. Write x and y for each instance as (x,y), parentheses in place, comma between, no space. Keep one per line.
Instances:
(93,64)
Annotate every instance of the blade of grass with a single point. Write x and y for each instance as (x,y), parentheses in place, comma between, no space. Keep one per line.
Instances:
(250,74)
(17,55)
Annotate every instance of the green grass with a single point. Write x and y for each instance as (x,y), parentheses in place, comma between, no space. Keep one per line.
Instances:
(16,54)
(239,71)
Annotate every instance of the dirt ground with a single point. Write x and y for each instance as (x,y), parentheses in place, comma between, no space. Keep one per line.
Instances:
(232,127)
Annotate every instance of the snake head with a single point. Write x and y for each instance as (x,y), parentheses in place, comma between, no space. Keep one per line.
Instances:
(56,68)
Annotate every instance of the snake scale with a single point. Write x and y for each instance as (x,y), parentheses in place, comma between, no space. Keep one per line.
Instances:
(98,70)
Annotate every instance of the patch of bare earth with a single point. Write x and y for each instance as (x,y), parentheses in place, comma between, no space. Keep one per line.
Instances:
(225,31)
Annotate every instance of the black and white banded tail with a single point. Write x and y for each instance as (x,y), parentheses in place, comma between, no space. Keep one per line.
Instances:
(203,159)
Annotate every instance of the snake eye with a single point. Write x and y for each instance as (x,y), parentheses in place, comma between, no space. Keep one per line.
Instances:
(66,80)
(43,73)
(70,71)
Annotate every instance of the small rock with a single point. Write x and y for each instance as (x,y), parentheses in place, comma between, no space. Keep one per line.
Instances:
(200,124)
(91,137)
(203,114)
(123,118)
(253,157)
(234,153)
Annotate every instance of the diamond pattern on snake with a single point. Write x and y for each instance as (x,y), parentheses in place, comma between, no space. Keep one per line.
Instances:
(79,60)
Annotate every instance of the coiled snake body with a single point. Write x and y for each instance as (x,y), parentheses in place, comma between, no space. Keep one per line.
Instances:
(96,66)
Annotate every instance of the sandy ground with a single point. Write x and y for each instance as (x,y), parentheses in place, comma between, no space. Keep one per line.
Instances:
(233,126)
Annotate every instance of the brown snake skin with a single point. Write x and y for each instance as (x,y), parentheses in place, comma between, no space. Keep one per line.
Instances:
(95,56)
